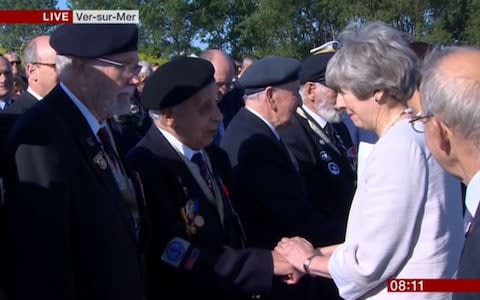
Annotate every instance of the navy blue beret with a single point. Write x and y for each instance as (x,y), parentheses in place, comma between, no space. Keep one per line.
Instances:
(269,71)
(314,68)
(176,81)
(94,40)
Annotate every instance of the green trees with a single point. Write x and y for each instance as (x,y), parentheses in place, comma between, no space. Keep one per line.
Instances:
(266,27)
(16,37)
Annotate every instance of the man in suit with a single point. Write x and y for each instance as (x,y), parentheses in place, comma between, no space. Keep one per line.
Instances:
(322,154)
(450,100)
(267,186)
(39,58)
(197,238)
(6,83)
(72,215)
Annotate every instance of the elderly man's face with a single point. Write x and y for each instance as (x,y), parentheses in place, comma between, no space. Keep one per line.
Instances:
(15,61)
(197,119)
(325,100)
(287,99)
(6,79)
(116,84)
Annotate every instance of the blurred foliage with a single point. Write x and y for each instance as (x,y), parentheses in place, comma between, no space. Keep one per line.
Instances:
(266,27)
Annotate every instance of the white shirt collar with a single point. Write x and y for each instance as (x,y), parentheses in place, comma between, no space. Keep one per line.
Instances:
(3,103)
(315,116)
(472,197)
(264,121)
(87,114)
(34,94)
(177,145)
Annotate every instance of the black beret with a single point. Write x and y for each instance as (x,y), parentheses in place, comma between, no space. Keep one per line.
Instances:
(176,81)
(269,71)
(314,68)
(94,40)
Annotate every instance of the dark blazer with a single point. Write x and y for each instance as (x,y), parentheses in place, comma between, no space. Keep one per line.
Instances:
(269,192)
(330,183)
(469,267)
(69,234)
(22,103)
(213,266)
(328,174)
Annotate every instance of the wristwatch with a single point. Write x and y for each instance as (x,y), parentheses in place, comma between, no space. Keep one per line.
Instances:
(308,261)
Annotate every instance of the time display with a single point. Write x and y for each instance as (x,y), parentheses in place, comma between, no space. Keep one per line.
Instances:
(405,285)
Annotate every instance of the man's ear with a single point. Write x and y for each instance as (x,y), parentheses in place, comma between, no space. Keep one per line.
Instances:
(442,135)
(270,99)
(309,91)
(168,116)
(30,70)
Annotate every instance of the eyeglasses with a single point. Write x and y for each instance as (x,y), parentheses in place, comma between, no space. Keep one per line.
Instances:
(45,64)
(418,122)
(15,62)
(130,69)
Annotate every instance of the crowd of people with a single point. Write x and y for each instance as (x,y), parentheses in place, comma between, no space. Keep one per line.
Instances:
(205,178)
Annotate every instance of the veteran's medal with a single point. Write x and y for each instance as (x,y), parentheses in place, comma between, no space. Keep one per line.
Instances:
(100,161)
(199,221)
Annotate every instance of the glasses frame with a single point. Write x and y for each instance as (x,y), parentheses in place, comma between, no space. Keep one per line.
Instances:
(45,64)
(420,119)
(130,69)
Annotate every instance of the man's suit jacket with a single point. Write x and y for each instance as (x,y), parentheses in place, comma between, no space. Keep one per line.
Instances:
(22,103)
(213,266)
(269,192)
(469,261)
(69,234)
(328,174)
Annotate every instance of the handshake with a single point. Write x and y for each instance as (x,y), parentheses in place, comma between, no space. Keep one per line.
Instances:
(292,258)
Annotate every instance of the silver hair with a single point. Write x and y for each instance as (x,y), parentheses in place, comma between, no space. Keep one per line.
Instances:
(146,69)
(454,100)
(62,63)
(254,96)
(30,53)
(373,57)
(154,114)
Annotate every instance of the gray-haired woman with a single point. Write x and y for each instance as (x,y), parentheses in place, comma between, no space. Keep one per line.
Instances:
(405,220)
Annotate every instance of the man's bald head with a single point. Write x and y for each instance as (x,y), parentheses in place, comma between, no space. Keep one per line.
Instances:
(39,59)
(224,70)
(450,89)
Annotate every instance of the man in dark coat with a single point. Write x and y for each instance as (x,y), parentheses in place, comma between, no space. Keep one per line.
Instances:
(39,58)
(450,107)
(322,154)
(268,189)
(197,238)
(72,213)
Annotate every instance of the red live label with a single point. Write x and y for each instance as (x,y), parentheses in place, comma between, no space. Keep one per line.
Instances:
(36,16)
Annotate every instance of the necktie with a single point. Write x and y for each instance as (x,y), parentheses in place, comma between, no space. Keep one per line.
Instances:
(104,137)
(8,103)
(197,158)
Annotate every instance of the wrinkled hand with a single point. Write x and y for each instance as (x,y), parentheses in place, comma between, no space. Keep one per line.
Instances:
(283,268)
(295,250)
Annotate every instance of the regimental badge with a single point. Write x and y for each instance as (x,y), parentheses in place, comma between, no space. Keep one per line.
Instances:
(325,156)
(333,168)
(100,161)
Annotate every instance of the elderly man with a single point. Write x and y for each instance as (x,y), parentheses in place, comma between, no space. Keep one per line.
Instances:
(16,62)
(319,141)
(72,214)
(450,92)
(197,236)
(6,83)
(41,72)
(229,100)
(267,186)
